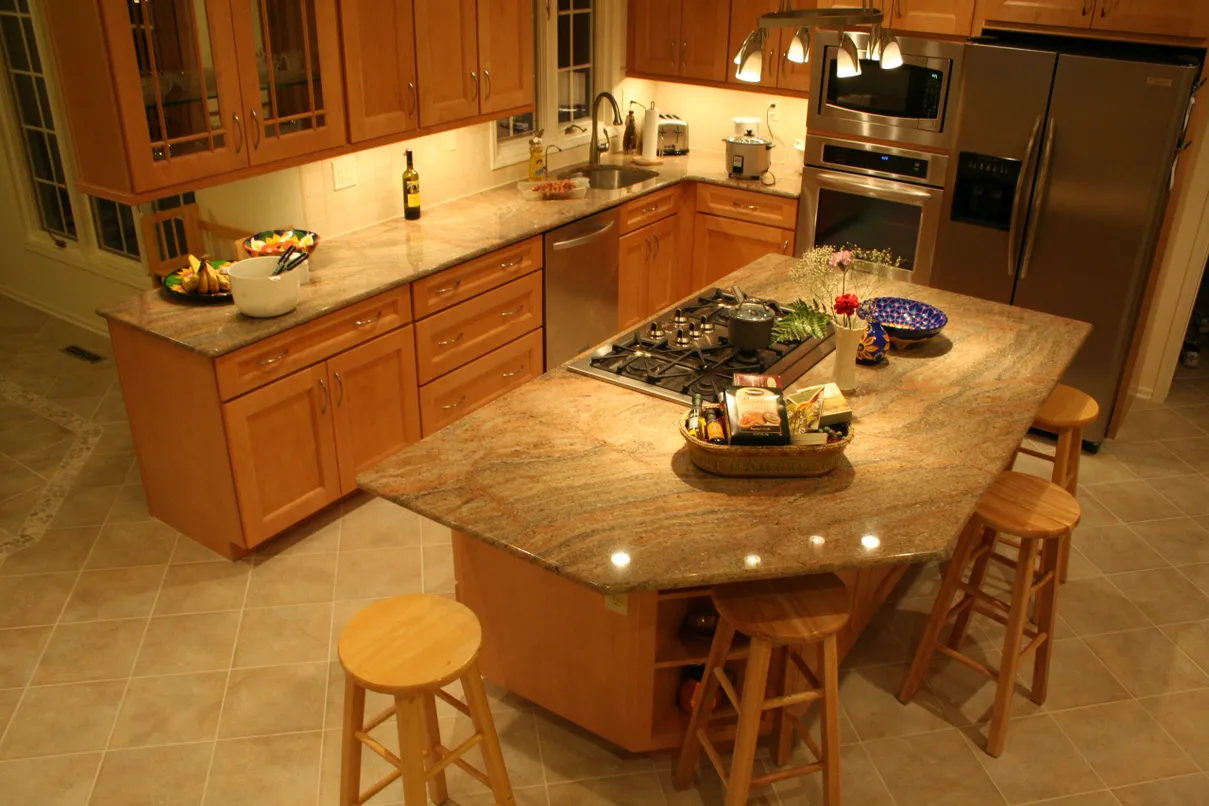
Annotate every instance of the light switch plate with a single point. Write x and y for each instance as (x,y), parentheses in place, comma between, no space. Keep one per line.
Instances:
(344,172)
(618,603)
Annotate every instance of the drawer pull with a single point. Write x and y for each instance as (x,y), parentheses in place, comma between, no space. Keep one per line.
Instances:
(512,264)
(275,359)
(339,389)
(461,400)
(751,208)
(518,309)
(646,210)
(369,321)
(454,340)
(515,372)
(447,289)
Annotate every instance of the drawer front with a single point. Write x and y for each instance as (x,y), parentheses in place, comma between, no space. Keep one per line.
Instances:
(478,383)
(458,284)
(648,208)
(746,205)
(458,335)
(279,355)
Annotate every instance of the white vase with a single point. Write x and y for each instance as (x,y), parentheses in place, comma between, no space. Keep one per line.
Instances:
(847,340)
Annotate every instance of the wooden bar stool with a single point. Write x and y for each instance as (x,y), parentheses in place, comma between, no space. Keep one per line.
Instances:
(409,647)
(1065,413)
(1041,514)
(778,612)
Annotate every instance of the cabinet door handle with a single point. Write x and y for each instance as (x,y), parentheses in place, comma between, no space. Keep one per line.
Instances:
(326,396)
(898,6)
(339,389)
(673,44)
(684,53)
(751,208)
(238,130)
(512,264)
(487,75)
(448,342)
(415,99)
(265,362)
(515,372)
(657,245)
(475,78)
(461,400)
(255,119)
(650,249)
(515,311)
(448,289)
(369,321)
(785,246)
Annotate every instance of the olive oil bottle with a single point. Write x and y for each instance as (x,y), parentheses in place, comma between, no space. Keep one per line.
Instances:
(411,191)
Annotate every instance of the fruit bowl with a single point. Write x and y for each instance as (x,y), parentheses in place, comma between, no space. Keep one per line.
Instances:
(907,321)
(276,241)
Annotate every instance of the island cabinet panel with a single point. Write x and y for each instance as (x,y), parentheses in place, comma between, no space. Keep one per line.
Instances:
(451,338)
(447,60)
(505,54)
(654,38)
(459,283)
(283,452)
(651,276)
(1187,18)
(632,270)
(721,245)
(376,402)
(379,67)
(453,396)
(1065,13)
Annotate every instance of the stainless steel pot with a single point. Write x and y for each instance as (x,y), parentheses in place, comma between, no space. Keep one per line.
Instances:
(747,156)
(750,326)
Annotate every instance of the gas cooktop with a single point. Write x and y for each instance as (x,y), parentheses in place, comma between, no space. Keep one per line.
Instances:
(687,352)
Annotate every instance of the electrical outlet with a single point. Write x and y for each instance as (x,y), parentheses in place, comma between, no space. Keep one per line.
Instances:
(773,114)
(344,172)
(617,603)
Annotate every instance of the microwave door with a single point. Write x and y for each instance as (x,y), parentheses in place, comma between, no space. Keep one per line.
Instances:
(1001,132)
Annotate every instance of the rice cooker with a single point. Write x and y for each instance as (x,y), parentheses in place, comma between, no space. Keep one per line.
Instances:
(747,156)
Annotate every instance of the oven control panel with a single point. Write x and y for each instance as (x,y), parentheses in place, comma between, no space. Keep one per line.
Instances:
(985,191)
(910,167)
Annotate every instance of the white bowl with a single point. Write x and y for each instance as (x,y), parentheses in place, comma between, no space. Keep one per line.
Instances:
(258,293)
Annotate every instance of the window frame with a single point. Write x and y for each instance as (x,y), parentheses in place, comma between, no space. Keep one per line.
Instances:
(606,19)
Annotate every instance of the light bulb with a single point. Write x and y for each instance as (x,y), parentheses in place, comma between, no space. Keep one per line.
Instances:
(847,63)
(799,47)
(892,54)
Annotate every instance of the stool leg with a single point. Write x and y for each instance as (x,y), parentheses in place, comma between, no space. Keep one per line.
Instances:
(350,747)
(978,575)
(1017,618)
(1071,483)
(438,790)
(493,757)
(830,744)
(409,712)
(948,587)
(792,681)
(723,637)
(1047,616)
(751,708)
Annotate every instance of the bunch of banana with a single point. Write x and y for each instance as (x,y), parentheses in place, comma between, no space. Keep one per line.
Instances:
(204,279)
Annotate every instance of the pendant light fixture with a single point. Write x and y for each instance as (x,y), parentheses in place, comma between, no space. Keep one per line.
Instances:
(891,55)
(847,61)
(799,46)
(749,61)
(876,39)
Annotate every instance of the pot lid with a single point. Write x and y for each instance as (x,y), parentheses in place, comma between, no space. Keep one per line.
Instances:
(752,311)
(747,140)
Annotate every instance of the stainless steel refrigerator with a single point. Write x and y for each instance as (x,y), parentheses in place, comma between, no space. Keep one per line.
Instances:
(1060,182)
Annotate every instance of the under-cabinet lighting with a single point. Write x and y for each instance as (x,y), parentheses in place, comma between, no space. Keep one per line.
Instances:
(870,541)
(620,559)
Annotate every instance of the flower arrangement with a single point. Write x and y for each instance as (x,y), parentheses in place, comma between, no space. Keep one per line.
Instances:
(837,290)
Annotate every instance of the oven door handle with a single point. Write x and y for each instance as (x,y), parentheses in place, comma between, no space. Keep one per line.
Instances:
(1022,181)
(871,186)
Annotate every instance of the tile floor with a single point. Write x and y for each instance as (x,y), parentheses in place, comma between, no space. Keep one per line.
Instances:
(136,668)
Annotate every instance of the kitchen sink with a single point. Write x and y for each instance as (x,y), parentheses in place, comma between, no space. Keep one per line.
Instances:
(609,177)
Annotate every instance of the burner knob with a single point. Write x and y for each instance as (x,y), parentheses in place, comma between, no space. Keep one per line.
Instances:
(679,317)
(656,332)
(694,331)
(681,339)
(707,325)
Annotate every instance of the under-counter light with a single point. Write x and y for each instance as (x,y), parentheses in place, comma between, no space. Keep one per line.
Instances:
(870,541)
(620,559)
(817,540)
(751,560)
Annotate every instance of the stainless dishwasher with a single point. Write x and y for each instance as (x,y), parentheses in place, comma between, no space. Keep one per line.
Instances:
(581,285)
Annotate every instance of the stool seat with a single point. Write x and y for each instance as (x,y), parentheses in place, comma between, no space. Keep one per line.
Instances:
(410,644)
(1028,506)
(1067,407)
(793,610)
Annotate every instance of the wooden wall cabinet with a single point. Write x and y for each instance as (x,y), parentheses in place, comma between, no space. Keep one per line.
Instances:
(164,92)
(505,54)
(1185,18)
(1066,13)
(379,67)
(945,17)
(685,38)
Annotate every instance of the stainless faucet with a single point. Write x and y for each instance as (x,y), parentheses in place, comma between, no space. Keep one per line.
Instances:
(593,151)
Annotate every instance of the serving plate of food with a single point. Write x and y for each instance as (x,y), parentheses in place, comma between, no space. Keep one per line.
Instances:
(276,241)
(203,280)
(554,189)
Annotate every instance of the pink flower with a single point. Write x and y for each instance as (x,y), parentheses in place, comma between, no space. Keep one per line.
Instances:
(841,259)
(846,304)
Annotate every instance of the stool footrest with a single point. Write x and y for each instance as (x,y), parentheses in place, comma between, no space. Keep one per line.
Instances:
(384,782)
(452,700)
(973,664)
(1049,457)
(791,699)
(727,687)
(811,679)
(1040,583)
(450,756)
(712,754)
(781,775)
(379,719)
(470,769)
(378,747)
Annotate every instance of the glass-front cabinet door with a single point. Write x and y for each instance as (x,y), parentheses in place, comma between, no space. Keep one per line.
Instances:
(178,88)
(289,67)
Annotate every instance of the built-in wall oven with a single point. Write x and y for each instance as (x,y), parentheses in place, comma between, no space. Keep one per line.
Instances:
(875,197)
(909,104)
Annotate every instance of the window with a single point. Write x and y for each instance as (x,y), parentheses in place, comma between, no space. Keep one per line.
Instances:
(574,60)
(115,228)
(37,126)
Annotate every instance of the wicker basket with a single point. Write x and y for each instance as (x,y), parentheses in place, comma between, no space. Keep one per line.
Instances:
(765,460)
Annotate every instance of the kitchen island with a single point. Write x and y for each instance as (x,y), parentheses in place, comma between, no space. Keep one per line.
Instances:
(584,535)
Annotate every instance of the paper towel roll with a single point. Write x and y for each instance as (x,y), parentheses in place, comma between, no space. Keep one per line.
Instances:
(650,133)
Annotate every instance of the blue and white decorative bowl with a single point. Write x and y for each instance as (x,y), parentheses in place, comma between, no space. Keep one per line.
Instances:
(907,321)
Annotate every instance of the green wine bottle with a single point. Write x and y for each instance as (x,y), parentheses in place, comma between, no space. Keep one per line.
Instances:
(411,191)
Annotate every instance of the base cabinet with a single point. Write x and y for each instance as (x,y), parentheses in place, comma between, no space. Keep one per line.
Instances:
(722,245)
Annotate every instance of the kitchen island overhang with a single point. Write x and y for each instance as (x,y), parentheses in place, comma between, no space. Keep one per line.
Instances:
(583,533)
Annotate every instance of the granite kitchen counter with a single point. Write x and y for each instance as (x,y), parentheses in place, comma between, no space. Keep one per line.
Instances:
(357,265)
(593,482)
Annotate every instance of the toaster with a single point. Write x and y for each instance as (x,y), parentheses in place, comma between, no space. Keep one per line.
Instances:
(673,136)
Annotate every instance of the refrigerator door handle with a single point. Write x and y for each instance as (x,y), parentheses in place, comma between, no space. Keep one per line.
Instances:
(1039,195)
(1014,227)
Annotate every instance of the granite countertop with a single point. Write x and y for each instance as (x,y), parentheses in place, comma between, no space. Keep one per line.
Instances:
(571,472)
(360,264)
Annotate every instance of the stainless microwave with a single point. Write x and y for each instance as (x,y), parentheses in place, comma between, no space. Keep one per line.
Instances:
(915,103)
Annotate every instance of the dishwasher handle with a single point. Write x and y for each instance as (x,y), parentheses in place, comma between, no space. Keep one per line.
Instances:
(583,239)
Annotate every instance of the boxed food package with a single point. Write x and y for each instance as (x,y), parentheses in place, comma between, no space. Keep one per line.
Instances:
(756,415)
